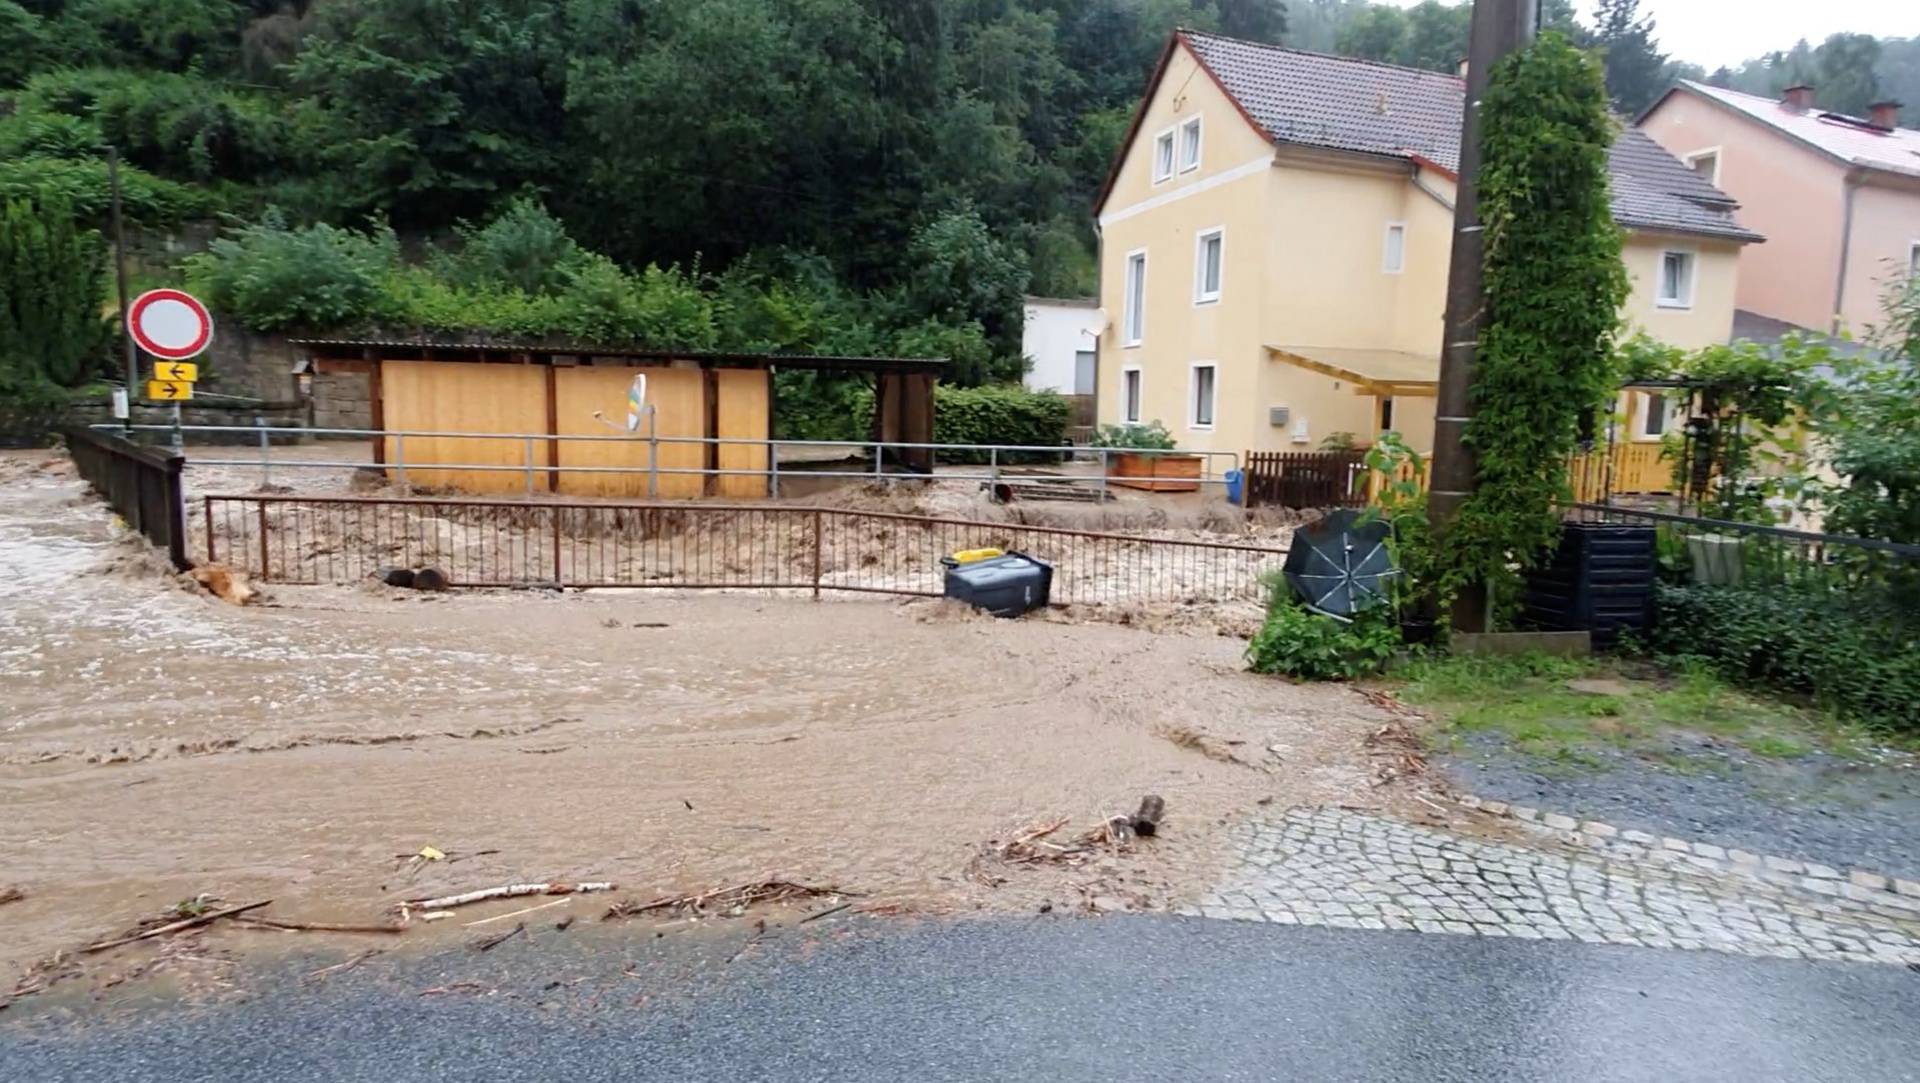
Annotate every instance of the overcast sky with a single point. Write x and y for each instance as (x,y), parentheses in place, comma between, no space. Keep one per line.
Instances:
(1715,32)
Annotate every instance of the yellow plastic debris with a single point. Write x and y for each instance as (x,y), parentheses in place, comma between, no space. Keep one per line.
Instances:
(968,556)
(432,854)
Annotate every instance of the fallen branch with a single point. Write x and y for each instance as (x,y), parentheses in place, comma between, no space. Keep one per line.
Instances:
(176,926)
(11,894)
(818,914)
(514,913)
(493,942)
(314,926)
(348,965)
(735,898)
(505,891)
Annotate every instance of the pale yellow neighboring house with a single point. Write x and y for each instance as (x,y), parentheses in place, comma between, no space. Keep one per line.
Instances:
(1274,240)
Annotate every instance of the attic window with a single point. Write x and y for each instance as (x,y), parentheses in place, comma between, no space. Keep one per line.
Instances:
(1706,163)
(1190,145)
(1163,156)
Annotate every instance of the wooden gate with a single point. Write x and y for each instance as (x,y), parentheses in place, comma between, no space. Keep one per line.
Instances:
(1306,479)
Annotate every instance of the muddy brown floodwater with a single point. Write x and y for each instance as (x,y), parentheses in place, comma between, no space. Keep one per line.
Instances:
(157,744)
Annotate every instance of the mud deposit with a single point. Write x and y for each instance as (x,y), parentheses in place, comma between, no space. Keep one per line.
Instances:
(157,744)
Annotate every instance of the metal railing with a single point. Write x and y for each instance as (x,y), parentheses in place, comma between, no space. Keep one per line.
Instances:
(998,459)
(1726,552)
(511,543)
(142,484)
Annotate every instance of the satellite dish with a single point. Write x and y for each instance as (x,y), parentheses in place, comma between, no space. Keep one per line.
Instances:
(1340,566)
(636,401)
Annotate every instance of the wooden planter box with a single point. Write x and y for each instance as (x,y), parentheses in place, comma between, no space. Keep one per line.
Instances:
(1161,473)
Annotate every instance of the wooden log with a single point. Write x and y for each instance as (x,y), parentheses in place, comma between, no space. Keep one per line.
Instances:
(1146,821)
(176,926)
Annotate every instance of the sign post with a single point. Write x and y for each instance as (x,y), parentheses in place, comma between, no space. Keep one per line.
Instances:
(171,325)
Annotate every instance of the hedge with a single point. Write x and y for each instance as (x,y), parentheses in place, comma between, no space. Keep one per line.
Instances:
(998,414)
(1852,654)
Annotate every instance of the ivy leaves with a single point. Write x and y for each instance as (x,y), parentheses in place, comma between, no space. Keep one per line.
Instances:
(1554,285)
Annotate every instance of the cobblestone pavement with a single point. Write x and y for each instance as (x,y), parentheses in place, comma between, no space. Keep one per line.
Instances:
(1336,867)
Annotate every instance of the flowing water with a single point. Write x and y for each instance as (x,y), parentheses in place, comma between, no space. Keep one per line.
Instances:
(156,743)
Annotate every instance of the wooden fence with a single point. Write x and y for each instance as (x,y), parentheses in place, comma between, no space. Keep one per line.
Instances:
(1306,479)
(1340,479)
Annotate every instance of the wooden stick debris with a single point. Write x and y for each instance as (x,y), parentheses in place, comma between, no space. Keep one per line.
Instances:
(314,926)
(177,926)
(348,965)
(514,913)
(493,942)
(11,894)
(727,898)
(506,891)
(818,914)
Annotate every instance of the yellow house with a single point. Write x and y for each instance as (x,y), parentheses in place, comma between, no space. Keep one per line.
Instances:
(1274,239)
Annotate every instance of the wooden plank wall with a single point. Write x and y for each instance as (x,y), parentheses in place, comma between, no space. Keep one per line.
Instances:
(459,396)
(744,410)
(675,394)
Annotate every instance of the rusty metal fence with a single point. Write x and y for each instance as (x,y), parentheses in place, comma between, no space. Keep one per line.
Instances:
(501,543)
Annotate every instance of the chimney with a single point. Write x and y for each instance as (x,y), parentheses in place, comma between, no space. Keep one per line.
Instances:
(1799,98)
(1460,69)
(1884,115)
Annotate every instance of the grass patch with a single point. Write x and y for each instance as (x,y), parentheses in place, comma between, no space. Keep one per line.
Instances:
(1568,712)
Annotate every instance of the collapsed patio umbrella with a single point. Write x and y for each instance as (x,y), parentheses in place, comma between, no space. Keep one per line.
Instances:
(1340,565)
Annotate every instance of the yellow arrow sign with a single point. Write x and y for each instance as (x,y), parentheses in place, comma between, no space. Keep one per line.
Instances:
(176,370)
(169,390)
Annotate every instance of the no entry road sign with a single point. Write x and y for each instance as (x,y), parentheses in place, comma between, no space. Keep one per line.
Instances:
(169,324)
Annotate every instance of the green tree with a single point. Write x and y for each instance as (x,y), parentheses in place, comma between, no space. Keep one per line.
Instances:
(1436,37)
(1379,33)
(1634,64)
(52,283)
(1255,20)
(963,274)
(432,109)
(24,47)
(1553,286)
(1846,80)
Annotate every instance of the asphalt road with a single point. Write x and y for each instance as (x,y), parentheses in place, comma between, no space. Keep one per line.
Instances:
(1118,998)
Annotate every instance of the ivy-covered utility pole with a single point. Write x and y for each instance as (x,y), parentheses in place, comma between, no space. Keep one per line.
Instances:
(1499,27)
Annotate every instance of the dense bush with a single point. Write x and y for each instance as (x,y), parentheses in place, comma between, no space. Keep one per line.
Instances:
(174,125)
(999,414)
(52,282)
(82,185)
(1297,642)
(523,248)
(1856,657)
(315,278)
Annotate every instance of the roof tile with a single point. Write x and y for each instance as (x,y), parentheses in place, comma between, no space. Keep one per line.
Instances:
(1312,99)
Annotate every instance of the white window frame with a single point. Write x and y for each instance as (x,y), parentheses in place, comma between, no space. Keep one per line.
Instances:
(1718,161)
(1649,401)
(1387,266)
(1660,278)
(1171,138)
(1200,294)
(1134,380)
(1181,164)
(1193,396)
(1128,312)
